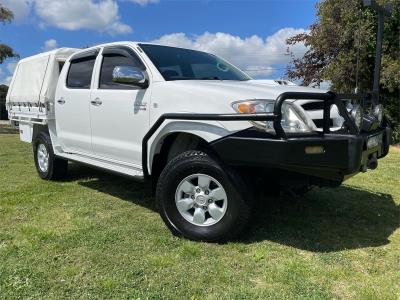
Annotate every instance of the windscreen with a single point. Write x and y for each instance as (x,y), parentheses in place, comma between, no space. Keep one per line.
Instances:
(183,64)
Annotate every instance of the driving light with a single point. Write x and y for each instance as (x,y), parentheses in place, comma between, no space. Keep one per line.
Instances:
(294,119)
(357,115)
(378,112)
(374,141)
(314,150)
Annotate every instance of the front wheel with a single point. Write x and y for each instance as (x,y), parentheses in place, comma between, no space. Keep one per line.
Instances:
(48,166)
(201,199)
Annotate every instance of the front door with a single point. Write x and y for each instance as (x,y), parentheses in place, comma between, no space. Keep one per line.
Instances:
(119,112)
(72,104)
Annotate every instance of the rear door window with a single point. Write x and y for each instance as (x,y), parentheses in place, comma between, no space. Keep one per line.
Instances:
(80,73)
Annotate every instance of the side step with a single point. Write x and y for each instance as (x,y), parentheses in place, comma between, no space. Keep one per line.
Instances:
(114,167)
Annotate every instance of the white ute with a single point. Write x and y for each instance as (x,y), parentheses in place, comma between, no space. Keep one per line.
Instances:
(199,127)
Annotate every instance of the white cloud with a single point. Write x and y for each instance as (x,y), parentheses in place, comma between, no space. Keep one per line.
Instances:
(82,14)
(98,15)
(6,75)
(7,80)
(144,2)
(261,56)
(20,8)
(50,45)
(11,66)
(4,79)
(119,28)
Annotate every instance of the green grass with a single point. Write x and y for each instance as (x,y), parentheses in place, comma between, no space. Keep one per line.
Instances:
(96,235)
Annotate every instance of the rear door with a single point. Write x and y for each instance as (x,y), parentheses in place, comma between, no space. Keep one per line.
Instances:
(119,113)
(72,104)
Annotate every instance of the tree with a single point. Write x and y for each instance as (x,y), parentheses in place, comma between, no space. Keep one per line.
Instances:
(3,94)
(6,16)
(341,48)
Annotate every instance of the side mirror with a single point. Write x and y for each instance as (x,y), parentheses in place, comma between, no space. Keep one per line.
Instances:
(129,75)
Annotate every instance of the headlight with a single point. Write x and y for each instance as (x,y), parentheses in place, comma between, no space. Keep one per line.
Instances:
(357,115)
(294,119)
(378,112)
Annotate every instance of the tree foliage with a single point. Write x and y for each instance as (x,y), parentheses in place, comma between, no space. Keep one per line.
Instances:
(341,49)
(3,94)
(6,16)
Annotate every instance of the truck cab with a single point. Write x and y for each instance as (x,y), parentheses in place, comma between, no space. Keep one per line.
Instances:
(201,129)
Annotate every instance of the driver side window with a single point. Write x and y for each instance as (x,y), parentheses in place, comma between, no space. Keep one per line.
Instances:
(110,61)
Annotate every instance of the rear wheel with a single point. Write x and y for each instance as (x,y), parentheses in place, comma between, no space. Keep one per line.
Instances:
(201,199)
(48,166)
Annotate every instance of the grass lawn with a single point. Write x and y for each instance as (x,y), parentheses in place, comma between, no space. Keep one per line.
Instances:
(97,235)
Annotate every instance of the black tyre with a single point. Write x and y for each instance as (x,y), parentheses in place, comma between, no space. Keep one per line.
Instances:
(201,199)
(48,166)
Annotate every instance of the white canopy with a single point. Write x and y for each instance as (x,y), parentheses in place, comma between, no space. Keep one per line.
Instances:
(35,78)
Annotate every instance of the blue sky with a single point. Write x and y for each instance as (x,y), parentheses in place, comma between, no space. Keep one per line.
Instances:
(249,33)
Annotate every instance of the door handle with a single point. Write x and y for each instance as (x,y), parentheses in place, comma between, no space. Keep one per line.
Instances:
(61,101)
(96,102)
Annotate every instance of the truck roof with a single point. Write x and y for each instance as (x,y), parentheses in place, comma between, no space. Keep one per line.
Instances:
(133,43)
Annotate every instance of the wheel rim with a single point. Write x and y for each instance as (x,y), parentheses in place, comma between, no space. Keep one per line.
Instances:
(201,200)
(43,158)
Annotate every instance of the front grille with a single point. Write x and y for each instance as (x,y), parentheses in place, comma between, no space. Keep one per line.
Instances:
(317,105)
(313,105)
(320,123)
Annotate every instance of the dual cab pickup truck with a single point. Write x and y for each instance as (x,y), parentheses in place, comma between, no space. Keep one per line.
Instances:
(196,125)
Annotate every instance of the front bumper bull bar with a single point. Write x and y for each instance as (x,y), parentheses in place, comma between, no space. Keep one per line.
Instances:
(343,156)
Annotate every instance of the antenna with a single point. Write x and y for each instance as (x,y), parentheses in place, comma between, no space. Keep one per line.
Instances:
(381,11)
(358,61)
